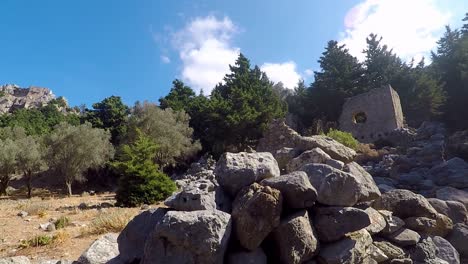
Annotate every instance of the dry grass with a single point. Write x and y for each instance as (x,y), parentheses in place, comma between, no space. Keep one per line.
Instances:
(367,152)
(107,222)
(32,207)
(58,238)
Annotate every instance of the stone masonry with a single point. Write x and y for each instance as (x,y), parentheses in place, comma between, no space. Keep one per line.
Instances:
(372,115)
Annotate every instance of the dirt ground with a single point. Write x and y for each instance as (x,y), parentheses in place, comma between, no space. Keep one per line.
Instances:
(85,225)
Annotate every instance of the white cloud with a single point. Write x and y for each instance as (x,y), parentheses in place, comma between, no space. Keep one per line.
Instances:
(206,51)
(165,59)
(308,72)
(411,28)
(282,72)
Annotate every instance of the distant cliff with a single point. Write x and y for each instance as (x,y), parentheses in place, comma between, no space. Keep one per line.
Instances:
(13,97)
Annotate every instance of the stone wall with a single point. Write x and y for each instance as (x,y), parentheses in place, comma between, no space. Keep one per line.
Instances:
(13,97)
(372,115)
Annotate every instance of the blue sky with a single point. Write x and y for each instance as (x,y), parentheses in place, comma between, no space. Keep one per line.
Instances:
(87,50)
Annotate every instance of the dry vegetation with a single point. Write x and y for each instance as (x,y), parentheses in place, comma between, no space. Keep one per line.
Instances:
(76,228)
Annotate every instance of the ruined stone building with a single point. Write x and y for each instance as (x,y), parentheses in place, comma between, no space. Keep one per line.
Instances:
(372,115)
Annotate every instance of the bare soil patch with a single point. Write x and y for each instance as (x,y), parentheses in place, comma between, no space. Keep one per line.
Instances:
(85,224)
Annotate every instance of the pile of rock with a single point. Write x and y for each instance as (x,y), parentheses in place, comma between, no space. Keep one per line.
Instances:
(324,208)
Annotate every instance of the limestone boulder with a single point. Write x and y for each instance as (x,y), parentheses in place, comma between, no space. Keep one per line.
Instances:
(446,251)
(404,204)
(237,170)
(377,254)
(296,239)
(198,195)
(424,251)
(284,155)
(279,135)
(378,222)
(339,188)
(371,191)
(315,155)
(458,144)
(404,237)
(333,223)
(104,250)
(247,257)
(296,189)
(456,211)
(330,146)
(132,239)
(440,226)
(337,164)
(451,173)
(453,194)
(256,212)
(459,239)
(390,250)
(392,223)
(15,260)
(349,250)
(189,237)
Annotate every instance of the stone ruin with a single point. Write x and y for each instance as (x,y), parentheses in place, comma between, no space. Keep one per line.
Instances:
(373,115)
(13,97)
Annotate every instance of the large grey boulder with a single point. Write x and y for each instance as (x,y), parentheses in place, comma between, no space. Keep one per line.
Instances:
(452,173)
(332,223)
(393,223)
(440,226)
(256,212)
(404,237)
(338,188)
(404,203)
(15,260)
(189,237)
(459,239)
(295,239)
(237,170)
(370,189)
(349,250)
(104,250)
(296,189)
(315,155)
(446,251)
(377,220)
(390,250)
(279,135)
(453,194)
(132,239)
(247,257)
(424,251)
(454,210)
(284,155)
(199,195)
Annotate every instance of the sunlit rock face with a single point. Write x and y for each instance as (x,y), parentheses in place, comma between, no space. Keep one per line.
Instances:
(14,97)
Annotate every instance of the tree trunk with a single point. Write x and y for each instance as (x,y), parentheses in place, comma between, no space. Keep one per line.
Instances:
(69,188)
(3,186)
(29,183)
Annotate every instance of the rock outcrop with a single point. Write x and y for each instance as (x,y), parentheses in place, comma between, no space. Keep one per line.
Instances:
(13,97)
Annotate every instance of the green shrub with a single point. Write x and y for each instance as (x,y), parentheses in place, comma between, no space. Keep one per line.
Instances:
(141,182)
(37,241)
(344,138)
(62,222)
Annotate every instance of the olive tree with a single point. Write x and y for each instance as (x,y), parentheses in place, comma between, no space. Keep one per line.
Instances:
(8,161)
(74,149)
(30,159)
(167,128)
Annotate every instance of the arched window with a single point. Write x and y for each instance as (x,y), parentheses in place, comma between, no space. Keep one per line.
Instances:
(359,118)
